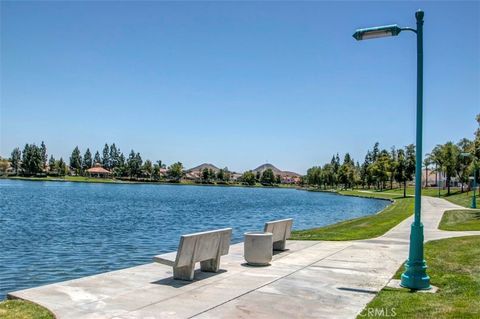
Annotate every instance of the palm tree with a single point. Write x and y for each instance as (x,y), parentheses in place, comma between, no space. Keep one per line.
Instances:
(426,163)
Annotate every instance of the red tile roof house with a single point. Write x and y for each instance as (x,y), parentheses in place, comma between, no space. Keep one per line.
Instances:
(98,171)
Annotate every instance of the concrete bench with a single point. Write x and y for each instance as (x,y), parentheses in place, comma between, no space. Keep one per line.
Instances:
(205,247)
(281,230)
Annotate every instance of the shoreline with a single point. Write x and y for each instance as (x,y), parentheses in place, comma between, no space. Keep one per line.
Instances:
(160,183)
(118,181)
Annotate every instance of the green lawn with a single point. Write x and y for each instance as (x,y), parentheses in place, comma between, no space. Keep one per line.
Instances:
(363,227)
(20,309)
(456,271)
(456,196)
(460,220)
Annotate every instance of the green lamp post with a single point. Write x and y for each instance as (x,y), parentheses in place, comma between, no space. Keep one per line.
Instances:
(475,168)
(415,275)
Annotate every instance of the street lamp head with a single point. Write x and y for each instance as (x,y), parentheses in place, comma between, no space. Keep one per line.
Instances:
(419,15)
(466,155)
(377,32)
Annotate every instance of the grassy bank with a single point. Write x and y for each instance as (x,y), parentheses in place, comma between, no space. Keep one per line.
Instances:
(20,309)
(456,196)
(363,227)
(455,271)
(460,220)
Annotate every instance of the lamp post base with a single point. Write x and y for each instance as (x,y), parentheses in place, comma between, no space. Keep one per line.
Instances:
(415,275)
(415,279)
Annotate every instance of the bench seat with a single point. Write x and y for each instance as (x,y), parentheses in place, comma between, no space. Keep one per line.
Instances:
(205,247)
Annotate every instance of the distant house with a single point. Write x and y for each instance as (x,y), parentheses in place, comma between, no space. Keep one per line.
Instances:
(163,172)
(98,171)
(286,177)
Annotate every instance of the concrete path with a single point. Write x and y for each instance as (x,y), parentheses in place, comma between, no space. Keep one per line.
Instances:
(313,279)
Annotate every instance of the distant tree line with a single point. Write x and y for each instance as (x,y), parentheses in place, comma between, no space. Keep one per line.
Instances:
(266,178)
(209,176)
(34,161)
(382,168)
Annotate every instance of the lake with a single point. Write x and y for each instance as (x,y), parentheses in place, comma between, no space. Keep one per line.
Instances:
(55,231)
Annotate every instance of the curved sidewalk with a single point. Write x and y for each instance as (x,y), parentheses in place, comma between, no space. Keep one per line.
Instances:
(313,279)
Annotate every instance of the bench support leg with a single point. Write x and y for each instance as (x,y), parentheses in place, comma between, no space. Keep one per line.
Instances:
(211,265)
(184,273)
(279,245)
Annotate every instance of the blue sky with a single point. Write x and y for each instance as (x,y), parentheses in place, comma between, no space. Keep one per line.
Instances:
(231,83)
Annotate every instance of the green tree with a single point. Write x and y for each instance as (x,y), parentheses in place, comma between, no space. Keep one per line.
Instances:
(226,174)
(427,162)
(335,165)
(114,156)
(211,174)
(175,171)
(87,160)
(328,177)
(156,172)
(121,169)
(268,177)
(15,159)
(410,162)
(106,157)
(134,164)
(248,178)
(365,176)
(278,179)
(32,162)
(76,160)
(401,170)
(465,146)
(436,155)
(43,152)
(51,163)
(346,172)
(379,169)
(147,168)
(62,167)
(449,153)
(392,165)
(221,175)
(205,174)
(97,159)
(314,176)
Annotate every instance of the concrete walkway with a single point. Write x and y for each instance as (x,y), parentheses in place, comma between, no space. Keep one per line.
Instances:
(313,279)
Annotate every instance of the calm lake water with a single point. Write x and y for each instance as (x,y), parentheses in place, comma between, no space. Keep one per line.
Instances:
(55,231)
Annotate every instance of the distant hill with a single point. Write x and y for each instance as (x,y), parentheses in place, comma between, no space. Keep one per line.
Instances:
(201,167)
(275,170)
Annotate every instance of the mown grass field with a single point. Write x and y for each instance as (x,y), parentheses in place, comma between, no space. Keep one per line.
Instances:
(378,224)
(363,227)
(453,266)
(456,271)
(460,220)
(456,196)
